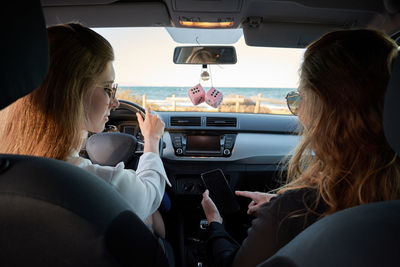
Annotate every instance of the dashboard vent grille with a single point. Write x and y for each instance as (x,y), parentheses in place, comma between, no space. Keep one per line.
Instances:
(185,121)
(221,122)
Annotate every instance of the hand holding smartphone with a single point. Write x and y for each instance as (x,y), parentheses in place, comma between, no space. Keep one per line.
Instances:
(220,192)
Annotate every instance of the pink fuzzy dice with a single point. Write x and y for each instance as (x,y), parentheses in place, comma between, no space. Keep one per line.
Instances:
(214,97)
(197,94)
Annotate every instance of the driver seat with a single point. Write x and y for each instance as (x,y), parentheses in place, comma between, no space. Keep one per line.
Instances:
(53,213)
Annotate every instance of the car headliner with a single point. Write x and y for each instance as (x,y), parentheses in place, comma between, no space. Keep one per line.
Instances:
(274,23)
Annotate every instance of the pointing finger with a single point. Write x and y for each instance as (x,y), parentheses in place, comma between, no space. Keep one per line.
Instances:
(245,194)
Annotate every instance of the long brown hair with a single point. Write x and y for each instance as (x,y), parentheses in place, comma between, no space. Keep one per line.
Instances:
(343,153)
(48,122)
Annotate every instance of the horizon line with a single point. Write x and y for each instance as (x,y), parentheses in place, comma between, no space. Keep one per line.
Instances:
(120,86)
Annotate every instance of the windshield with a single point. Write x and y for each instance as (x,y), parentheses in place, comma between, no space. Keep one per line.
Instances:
(146,74)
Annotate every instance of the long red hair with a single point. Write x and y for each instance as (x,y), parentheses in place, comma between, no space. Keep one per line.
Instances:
(343,153)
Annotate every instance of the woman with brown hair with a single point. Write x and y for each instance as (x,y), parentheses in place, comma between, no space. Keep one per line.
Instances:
(75,98)
(343,159)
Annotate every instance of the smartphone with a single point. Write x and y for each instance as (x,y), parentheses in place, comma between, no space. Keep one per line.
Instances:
(220,192)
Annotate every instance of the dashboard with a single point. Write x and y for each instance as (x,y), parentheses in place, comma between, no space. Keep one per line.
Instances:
(250,148)
(226,137)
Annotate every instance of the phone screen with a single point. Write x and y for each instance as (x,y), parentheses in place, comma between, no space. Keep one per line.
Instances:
(220,192)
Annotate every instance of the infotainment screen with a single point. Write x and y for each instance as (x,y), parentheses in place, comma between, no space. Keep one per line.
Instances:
(203,143)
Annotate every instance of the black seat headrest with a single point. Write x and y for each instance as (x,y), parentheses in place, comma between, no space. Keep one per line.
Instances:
(24,66)
(365,235)
(51,206)
(391,109)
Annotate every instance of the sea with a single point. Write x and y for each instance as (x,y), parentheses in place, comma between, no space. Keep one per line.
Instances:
(158,95)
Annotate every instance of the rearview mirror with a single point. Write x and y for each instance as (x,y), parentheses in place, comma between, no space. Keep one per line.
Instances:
(205,55)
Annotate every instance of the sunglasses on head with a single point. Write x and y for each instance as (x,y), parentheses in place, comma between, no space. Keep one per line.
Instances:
(293,101)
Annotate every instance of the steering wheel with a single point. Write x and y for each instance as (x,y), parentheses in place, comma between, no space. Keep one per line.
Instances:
(110,148)
(130,105)
(137,108)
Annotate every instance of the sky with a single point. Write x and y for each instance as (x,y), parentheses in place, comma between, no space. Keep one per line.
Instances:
(143,57)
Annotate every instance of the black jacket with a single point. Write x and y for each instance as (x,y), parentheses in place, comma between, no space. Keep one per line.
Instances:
(277,223)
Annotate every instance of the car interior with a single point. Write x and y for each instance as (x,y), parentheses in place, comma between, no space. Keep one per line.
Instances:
(50,211)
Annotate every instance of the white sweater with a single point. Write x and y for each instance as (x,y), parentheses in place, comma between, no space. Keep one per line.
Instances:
(143,189)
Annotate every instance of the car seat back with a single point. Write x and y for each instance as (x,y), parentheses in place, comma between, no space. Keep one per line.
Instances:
(51,212)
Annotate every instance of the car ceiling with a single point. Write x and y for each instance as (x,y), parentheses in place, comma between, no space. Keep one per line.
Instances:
(275,23)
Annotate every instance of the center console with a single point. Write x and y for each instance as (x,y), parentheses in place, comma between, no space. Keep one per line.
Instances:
(199,145)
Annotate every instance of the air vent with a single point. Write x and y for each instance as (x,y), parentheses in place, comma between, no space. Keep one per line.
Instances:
(185,121)
(221,122)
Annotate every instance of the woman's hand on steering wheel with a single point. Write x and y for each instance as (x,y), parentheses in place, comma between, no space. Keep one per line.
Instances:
(152,129)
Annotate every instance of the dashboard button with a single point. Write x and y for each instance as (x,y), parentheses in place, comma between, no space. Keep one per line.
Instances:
(227,152)
(179,151)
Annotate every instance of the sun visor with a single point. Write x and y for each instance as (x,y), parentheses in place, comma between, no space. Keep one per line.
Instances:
(205,36)
(25,52)
(140,14)
(284,34)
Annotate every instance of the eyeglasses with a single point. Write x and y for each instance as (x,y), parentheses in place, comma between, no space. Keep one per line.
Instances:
(111,92)
(293,99)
